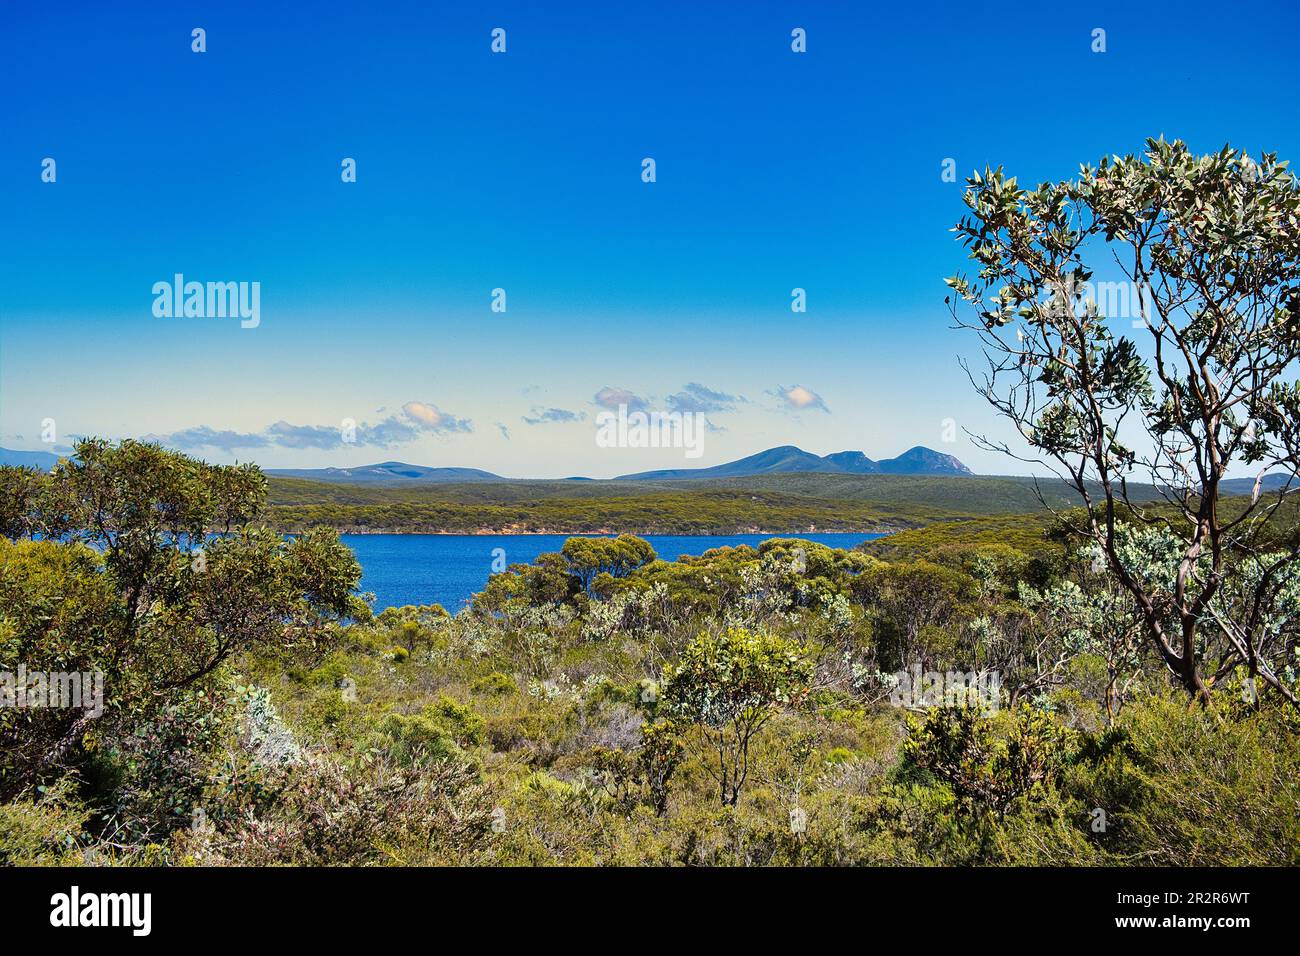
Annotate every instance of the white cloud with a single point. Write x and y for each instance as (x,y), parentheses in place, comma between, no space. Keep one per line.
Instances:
(612,398)
(798,399)
(431,418)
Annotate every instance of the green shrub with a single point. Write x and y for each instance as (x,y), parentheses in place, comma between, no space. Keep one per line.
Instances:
(495,683)
(458,720)
(413,738)
(45,829)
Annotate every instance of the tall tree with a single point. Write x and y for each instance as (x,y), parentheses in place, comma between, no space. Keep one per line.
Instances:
(1209,248)
(136,590)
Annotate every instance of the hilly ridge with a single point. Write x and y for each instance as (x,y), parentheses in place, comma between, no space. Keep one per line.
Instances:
(917,460)
(386,473)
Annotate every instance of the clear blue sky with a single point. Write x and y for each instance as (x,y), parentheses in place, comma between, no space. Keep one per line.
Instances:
(522,171)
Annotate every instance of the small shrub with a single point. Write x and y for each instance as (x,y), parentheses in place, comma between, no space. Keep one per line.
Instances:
(496,684)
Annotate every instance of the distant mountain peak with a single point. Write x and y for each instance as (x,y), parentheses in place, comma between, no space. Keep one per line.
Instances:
(852,460)
(386,472)
(927,461)
(917,460)
(40,460)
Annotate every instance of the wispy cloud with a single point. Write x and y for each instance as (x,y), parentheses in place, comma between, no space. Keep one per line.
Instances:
(695,397)
(799,399)
(416,419)
(541,416)
(201,436)
(286,435)
(431,418)
(611,398)
(505,432)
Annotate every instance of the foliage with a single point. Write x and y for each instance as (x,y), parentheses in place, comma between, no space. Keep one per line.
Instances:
(989,764)
(677,713)
(589,558)
(127,593)
(730,685)
(792,503)
(1211,246)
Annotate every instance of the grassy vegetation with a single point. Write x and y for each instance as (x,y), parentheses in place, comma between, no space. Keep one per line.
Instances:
(1028,533)
(786,704)
(776,503)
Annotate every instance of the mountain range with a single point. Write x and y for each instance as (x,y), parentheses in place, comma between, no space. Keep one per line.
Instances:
(786,458)
(40,460)
(386,473)
(918,460)
(782,459)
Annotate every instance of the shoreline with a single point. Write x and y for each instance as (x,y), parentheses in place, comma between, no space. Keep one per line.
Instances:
(605,532)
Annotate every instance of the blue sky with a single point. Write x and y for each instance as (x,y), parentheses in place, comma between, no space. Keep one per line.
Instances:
(522,171)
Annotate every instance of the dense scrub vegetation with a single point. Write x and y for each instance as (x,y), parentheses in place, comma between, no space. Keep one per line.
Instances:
(600,706)
(780,503)
(1029,533)
(704,512)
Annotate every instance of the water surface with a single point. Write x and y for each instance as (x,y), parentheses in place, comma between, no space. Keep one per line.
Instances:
(448,569)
